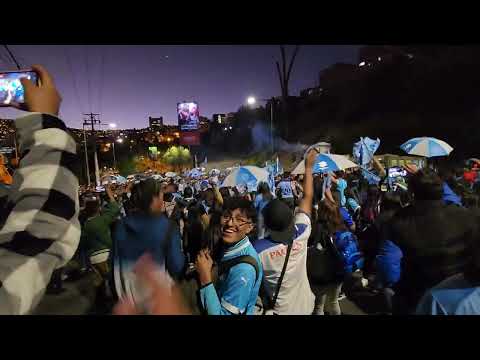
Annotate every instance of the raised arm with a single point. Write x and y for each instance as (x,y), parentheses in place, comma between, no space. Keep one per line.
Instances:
(41,230)
(306,204)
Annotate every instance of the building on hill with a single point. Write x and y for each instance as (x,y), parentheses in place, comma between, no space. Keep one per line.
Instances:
(155,123)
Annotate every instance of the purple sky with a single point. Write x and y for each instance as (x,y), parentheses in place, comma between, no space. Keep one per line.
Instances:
(141,81)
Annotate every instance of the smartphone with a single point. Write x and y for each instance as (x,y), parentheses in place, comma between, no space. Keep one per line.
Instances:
(11,89)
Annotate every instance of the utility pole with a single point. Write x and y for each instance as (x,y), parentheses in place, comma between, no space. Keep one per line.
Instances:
(92,120)
(18,67)
(86,155)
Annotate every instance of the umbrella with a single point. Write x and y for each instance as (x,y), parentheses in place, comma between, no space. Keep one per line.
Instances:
(214,172)
(247,175)
(195,173)
(170,174)
(326,163)
(427,147)
(332,162)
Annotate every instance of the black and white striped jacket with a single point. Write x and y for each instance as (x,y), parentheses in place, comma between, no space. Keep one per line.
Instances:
(39,231)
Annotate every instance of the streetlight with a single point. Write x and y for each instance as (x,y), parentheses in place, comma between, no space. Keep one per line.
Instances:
(252,101)
(119,140)
(112,125)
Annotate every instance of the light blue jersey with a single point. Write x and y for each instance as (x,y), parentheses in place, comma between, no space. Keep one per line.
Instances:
(236,290)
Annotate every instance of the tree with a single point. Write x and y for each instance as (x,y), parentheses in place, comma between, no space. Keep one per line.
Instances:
(284,78)
(177,157)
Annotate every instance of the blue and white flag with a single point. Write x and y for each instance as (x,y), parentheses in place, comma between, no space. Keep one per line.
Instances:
(370,177)
(364,150)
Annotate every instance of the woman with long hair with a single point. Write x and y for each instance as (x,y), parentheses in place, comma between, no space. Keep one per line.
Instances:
(343,248)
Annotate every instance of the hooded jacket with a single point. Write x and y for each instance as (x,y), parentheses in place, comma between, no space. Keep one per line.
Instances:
(137,235)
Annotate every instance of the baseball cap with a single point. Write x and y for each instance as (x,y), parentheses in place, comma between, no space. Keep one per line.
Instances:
(279,221)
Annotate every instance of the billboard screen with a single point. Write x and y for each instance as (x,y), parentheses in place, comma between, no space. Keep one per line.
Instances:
(188,116)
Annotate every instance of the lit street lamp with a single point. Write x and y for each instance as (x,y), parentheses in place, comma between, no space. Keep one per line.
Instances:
(119,140)
(252,101)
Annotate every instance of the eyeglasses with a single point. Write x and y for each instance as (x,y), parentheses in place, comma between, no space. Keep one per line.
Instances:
(238,222)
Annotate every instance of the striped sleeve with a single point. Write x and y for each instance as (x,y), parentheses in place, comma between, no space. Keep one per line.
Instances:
(40,231)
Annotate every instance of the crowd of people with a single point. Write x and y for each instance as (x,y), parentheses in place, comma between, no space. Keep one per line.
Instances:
(176,245)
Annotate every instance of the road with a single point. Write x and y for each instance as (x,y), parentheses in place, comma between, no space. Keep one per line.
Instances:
(79,297)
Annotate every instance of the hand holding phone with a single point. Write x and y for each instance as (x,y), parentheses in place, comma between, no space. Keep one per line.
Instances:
(41,96)
(11,88)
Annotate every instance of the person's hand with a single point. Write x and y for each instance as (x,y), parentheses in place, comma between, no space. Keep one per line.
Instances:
(204,264)
(310,158)
(163,299)
(411,168)
(43,98)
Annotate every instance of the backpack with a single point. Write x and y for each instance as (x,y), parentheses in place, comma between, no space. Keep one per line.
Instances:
(323,264)
(347,249)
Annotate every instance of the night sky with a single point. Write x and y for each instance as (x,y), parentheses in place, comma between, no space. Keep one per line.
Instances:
(128,83)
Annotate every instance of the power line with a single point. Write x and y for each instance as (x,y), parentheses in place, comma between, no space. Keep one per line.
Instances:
(74,82)
(88,80)
(12,56)
(102,65)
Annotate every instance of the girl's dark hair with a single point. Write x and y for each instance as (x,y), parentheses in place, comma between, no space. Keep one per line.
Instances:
(143,194)
(329,215)
(391,201)
(317,188)
(187,192)
(91,207)
(225,193)
(426,185)
(373,195)
(264,189)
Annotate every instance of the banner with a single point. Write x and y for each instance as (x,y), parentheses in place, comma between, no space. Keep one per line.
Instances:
(190,138)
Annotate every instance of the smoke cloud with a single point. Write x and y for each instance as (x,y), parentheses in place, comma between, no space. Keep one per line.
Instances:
(262,141)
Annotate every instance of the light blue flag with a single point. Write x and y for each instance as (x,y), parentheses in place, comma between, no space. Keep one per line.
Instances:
(364,150)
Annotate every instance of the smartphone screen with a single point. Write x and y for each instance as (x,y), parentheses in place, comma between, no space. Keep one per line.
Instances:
(11,89)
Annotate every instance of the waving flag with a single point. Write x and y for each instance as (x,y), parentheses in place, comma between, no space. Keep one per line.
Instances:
(364,149)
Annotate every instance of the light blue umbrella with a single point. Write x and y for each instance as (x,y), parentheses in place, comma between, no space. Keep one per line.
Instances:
(250,176)
(426,147)
(331,162)
(195,173)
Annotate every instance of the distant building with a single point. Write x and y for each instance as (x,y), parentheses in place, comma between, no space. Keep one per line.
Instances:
(219,118)
(155,123)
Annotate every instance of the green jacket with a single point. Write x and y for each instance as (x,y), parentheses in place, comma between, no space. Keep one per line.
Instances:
(96,231)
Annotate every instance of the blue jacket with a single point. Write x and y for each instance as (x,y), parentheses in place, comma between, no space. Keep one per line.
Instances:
(236,291)
(138,234)
(347,219)
(449,197)
(389,263)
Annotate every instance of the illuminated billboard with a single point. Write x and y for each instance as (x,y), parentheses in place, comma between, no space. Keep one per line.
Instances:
(188,116)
